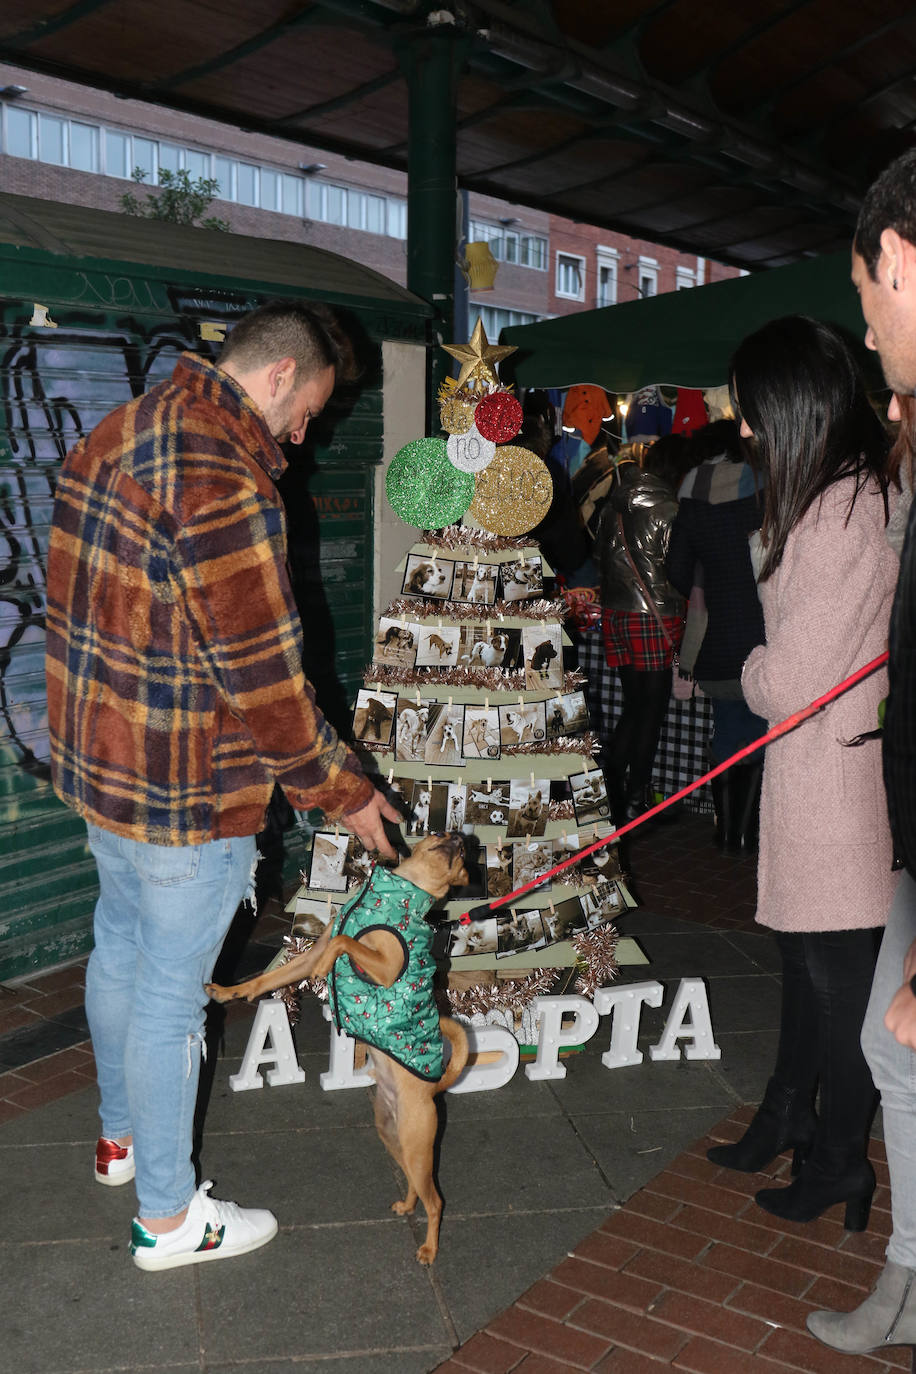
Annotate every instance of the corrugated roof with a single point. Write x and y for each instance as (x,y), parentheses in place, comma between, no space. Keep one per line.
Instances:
(745,131)
(75,231)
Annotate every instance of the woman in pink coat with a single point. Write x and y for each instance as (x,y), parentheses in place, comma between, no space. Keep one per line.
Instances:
(826,577)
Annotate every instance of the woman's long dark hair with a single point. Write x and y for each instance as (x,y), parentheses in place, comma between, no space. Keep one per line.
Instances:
(799,388)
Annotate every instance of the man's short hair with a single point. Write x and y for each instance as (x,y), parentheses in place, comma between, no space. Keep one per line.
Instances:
(890,203)
(310,333)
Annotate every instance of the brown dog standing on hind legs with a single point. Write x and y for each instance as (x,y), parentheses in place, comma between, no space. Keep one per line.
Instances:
(381,993)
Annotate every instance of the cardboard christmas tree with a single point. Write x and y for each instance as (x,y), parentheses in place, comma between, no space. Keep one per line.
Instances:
(476,724)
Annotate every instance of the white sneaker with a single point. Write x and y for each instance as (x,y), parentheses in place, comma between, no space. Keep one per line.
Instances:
(211,1230)
(114,1163)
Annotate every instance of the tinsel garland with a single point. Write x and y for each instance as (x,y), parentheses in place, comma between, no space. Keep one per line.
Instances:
(595,957)
(509,994)
(457,537)
(414,608)
(588,744)
(596,950)
(290,996)
(491,679)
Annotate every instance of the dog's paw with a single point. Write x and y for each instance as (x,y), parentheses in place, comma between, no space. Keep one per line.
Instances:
(402,1209)
(217,993)
(426,1254)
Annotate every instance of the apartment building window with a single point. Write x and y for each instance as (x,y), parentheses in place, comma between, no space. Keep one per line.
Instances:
(647,276)
(84,147)
(495,318)
(533,252)
(684,278)
(570,276)
(397,218)
(21,133)
(116,153)
(51,140)
(510,245)
(606,292)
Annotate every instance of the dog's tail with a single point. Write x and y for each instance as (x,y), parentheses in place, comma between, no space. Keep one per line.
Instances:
(455,1034)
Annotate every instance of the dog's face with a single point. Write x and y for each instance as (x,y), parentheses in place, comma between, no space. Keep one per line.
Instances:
(427,578)
(436,864)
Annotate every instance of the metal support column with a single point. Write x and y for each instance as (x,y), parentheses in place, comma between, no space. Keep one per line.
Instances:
(432,61)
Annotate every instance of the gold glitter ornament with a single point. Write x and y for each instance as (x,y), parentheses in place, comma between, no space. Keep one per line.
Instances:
(456,415)
(512,494)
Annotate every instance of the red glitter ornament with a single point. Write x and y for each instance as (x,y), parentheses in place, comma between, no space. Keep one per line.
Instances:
(498,417)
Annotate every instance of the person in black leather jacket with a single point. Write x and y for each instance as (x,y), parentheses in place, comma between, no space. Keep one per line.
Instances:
(643,614)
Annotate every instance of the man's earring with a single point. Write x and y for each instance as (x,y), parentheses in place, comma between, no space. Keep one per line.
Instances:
(894,283)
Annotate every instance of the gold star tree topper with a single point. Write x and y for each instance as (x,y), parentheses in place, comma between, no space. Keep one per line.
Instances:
(478,358)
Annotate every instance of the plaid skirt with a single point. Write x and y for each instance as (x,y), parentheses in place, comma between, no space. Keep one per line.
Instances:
(635,639)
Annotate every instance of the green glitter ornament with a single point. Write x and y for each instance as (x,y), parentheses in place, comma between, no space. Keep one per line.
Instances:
(423,487)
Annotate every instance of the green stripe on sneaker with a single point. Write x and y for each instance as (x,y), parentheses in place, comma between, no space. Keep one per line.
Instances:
(140,1238)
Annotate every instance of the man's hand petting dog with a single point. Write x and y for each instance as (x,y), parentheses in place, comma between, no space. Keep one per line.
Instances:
(367,824)
(405,1113)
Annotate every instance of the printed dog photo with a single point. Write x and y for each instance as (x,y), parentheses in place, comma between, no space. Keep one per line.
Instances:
(488,805)
(373,716)
(444,731)
(589,796)
(438,646)
(481,733)
(329,856)
(410,730)
(489,647)
(475,583)
(529,804)
(530,860)
(396,643)
(500,880)
(564,920)
(456,806)
(428,807)
(522,579)
(310,917)
(519,930)
(523,723)
(428,577)
(357,864)
(567,715)
(478,937)
(600,904)
(543,656)
(601,866)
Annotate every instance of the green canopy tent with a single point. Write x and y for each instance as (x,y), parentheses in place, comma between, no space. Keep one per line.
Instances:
(681,338)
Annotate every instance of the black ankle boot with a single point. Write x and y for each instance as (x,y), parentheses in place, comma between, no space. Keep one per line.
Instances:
(826,1178)
(784,1120)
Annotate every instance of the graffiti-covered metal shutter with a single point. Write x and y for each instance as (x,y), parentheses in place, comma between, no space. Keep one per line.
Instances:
(76,340)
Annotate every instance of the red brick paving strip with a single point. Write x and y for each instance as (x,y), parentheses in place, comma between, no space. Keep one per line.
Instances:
(691,1275)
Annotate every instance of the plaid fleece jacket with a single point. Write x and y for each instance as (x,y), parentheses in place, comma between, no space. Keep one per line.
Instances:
(175,688)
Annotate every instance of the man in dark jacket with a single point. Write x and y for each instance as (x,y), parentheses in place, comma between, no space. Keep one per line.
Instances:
(884,273)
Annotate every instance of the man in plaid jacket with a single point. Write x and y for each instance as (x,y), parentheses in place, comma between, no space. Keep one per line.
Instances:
(176,699)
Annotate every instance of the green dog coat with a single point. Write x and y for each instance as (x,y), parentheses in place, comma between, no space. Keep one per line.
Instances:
(402,1020)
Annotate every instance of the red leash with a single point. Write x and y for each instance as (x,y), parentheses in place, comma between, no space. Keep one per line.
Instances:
(782,728)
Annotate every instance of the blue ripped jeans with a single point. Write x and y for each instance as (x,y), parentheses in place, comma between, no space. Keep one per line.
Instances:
(160,921)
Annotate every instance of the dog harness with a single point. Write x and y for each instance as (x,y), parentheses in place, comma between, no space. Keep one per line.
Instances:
(402,1020)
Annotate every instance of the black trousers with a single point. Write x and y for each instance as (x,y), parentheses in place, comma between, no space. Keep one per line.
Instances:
(631,750)
(826,981)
